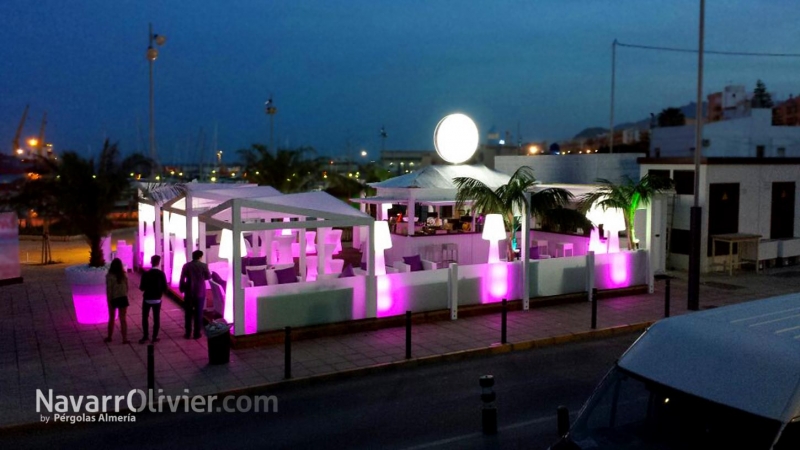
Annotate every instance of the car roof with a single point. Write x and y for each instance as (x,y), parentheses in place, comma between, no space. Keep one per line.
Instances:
(746,356)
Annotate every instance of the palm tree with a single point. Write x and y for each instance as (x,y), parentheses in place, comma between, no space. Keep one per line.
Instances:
(509,201)
(287,171)
(626,197)
(83,193)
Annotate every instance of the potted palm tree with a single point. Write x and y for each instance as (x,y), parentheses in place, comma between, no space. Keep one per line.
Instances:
(82,192)
(509,201)
(627,197)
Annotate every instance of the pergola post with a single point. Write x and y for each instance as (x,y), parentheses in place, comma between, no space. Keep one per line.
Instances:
(236,269)
(372,281)
(410,212)
(525,228)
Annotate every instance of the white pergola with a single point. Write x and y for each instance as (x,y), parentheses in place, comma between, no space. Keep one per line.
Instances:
(311,210)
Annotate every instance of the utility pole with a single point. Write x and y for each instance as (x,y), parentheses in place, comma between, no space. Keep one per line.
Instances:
(613,88)
(696,215)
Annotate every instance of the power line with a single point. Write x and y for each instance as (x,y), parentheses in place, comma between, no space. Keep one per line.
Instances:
(713,52)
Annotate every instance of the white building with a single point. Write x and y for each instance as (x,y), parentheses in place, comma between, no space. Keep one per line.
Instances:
(745,196)
(752,136)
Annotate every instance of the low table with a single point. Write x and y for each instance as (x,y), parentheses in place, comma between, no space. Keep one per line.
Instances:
(736,238)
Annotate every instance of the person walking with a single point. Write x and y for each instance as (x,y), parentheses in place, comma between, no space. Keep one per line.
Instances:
(117,297)
(153,285)
(193,286)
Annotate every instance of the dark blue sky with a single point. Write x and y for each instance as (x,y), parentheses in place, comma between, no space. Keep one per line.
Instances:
(338,70)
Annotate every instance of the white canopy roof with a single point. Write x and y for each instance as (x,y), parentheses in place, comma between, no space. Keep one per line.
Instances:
(326,209)
(441,177)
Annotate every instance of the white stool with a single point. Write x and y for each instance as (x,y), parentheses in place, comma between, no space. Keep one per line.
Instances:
(563,247)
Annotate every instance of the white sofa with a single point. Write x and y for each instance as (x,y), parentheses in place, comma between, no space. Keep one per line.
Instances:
(403,267)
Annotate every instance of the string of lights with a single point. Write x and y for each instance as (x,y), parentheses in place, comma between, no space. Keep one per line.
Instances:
(712,52)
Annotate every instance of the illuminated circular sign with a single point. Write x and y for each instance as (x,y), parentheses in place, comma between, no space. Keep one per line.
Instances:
(456,138)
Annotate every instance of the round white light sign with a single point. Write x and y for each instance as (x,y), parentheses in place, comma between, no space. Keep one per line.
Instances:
(456,138)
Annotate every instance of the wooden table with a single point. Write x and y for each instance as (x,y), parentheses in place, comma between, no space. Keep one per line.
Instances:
(735,238)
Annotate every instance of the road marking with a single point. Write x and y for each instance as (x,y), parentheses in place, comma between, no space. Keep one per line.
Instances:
(475,435)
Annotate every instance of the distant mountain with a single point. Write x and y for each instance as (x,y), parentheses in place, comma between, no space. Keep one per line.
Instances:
(591,132)
(688,111)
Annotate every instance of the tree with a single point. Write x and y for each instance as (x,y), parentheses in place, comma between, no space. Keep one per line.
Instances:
(671,117)
(761,98)
(288,171)
(83,193)
(509,201)
(626,197)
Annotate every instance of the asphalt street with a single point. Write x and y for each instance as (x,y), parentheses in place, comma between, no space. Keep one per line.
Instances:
(430,407)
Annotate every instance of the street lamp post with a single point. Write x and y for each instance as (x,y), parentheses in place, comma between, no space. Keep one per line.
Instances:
(270,109)
(693,303)
(152,54)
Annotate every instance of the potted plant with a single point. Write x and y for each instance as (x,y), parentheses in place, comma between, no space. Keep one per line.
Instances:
(82,192)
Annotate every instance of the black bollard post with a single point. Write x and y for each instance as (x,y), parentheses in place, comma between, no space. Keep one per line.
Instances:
(562,414)
(408,334)
(504,323)
(287,353)
(666,297)
(594,308)
(151,369)
(489,410)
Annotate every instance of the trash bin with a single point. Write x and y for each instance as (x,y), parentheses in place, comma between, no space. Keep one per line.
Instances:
(219,342)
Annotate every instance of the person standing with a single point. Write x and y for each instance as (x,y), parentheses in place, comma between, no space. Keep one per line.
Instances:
(193,286)
(117,297)
(153,285)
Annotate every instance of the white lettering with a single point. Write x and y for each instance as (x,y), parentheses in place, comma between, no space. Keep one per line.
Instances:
(48,402)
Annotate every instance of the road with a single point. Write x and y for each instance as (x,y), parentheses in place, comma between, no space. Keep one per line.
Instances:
(431,407)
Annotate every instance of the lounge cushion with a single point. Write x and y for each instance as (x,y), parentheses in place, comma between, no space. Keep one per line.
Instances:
(218,279)
(534,252)
(286,275)
(257,276)
(414,262)
(347,272)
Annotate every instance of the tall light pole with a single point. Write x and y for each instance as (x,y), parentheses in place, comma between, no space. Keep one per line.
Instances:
(152,54)
(696,212)
(270,109)
(613,88)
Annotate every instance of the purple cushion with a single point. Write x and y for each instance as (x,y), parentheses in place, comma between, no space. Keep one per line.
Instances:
(534,252)
(347,272)
(245,263)
(363,266)
(218,279)
(258,277)
(286,275)
(258,261)
(211,239)
(414,261)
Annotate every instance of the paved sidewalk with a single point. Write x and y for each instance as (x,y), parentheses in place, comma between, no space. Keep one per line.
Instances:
(43,347)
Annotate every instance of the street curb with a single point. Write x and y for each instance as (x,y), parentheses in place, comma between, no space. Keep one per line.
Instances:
(494,349)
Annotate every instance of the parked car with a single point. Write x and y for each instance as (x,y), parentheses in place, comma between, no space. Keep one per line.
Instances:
(722,378)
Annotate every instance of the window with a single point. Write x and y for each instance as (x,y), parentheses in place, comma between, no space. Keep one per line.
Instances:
(658,173)
(760,151)
(684,182)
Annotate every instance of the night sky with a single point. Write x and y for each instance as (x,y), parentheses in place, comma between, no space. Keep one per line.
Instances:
(339,70)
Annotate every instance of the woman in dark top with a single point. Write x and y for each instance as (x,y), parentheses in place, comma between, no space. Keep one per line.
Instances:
(117,296)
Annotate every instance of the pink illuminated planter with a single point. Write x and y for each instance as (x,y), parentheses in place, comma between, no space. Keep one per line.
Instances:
(88,293)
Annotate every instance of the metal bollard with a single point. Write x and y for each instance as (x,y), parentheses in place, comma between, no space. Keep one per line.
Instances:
(562,414)
(408,334)
(594,308)
(489,410)
(504,323)
(151,369)
(666,297)
(287,353)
